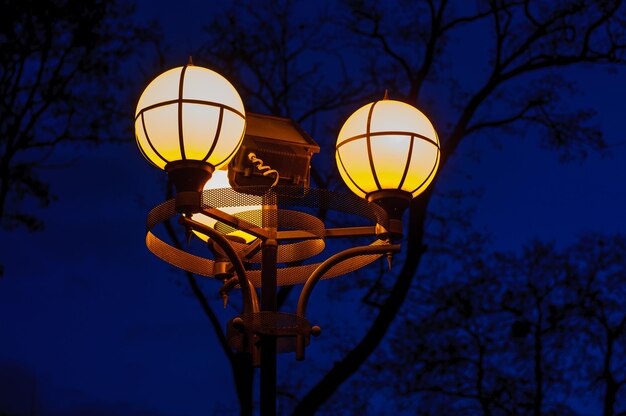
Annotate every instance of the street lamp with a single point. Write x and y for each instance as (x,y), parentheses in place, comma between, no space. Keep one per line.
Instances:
(190,121)
(388,152)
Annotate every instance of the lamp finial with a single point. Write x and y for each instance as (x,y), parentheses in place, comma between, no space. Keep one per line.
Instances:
(386,96)
(190,63)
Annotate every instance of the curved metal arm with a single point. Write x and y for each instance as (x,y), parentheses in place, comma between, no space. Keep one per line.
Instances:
(250,300)
(333,260)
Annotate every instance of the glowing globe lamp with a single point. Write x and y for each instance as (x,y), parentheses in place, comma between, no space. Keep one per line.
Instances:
(189,121)
(251,213)
(388,152)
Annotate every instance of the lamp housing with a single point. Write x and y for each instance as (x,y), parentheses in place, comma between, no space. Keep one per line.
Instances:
(281,144)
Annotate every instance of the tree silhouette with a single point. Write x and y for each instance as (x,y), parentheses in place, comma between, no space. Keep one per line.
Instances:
(527,42)
(598,277)
(519,334)
(521,52)
(59,84)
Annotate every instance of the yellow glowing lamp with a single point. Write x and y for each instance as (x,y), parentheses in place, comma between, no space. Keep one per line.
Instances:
(189,118)
(388,153)
(252,214)
(387,145)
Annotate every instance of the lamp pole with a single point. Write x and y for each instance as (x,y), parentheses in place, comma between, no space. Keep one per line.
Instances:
(268,342)
(190,122)
(269,251)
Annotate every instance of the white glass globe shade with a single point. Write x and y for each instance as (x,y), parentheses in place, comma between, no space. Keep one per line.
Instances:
(387,145)
(189,113)
(220,180)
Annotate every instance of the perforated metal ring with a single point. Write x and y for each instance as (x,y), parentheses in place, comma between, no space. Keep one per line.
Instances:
(290,275)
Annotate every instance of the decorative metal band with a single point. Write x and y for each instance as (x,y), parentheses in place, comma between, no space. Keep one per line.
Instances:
(236,147)
(286,219)
(432,172)
(368,137)
(190,101)
(348,173)
(289,275)
(408,162)
(181,139)
(142,152)
(145,131)
(141,149)
(369,145)
(217,134)
(204,267)
(389,133)
(179,258)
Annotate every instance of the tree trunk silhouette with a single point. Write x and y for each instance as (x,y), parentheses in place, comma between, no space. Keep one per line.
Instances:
(240,363)
(538,369)
(342,370)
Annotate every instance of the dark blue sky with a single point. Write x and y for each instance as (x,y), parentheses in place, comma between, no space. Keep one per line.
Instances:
(89,319)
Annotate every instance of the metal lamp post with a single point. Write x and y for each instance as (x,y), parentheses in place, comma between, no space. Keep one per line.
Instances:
(242,186)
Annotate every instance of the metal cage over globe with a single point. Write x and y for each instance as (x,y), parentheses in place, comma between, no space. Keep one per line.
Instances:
(387,145)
